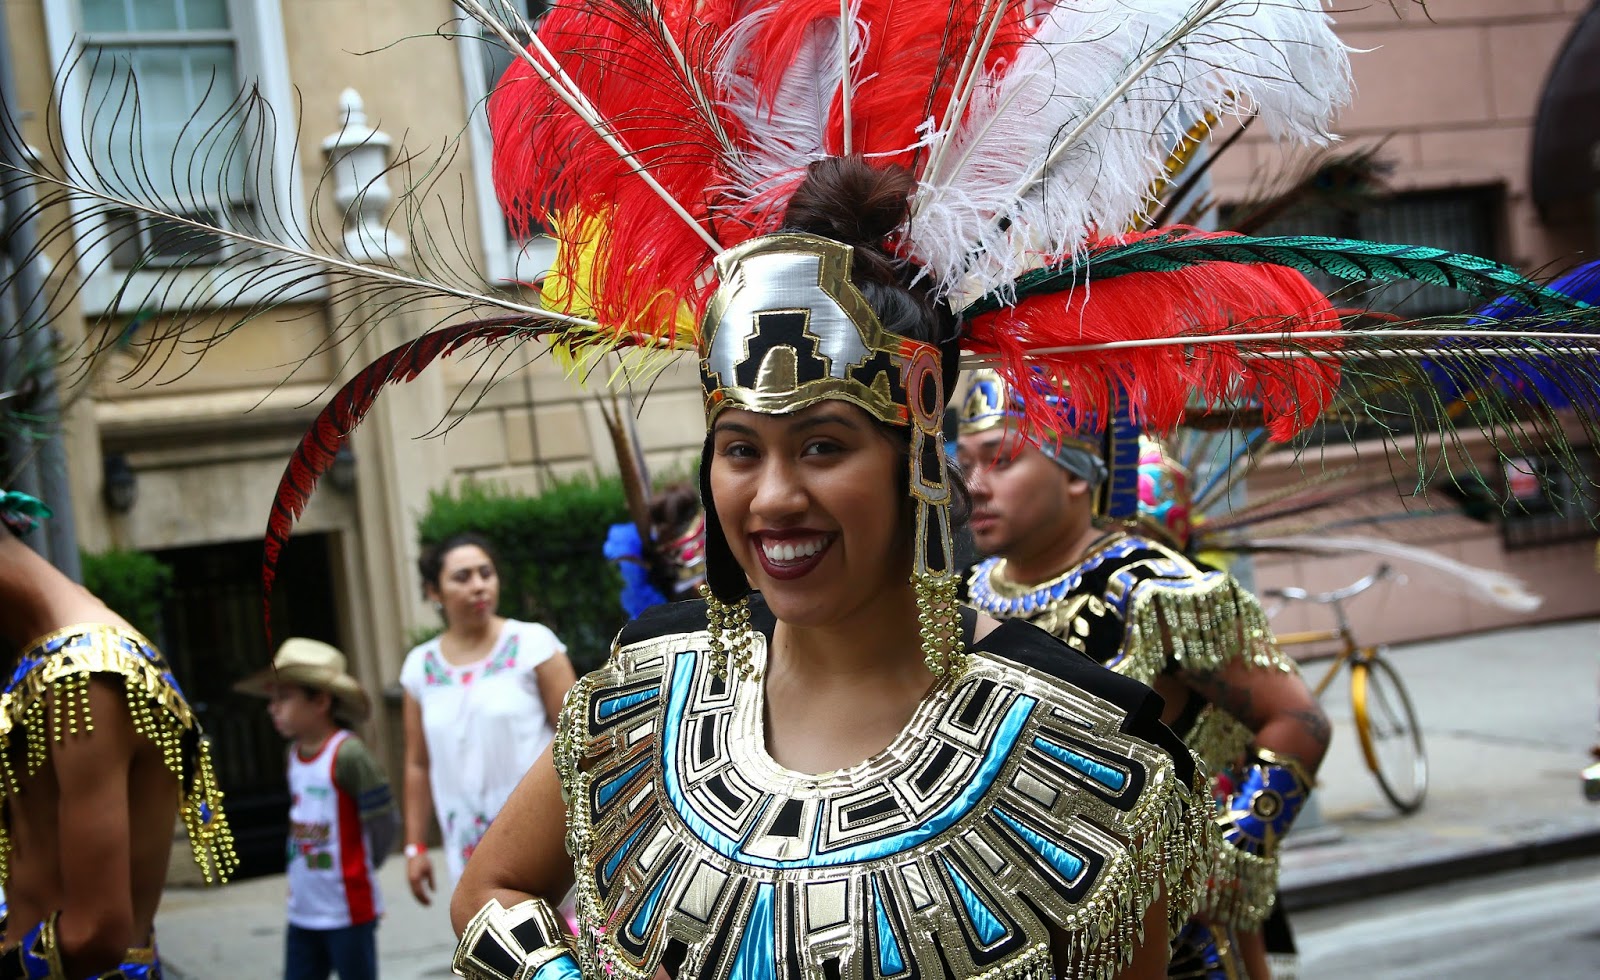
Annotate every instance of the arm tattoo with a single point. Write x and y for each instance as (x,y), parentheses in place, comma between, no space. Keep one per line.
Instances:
(1237,700)
(1315,723)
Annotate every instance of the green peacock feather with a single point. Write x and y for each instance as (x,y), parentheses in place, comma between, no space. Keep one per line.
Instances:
(1341,258)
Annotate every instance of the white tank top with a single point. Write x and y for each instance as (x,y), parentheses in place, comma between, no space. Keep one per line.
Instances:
(332,883)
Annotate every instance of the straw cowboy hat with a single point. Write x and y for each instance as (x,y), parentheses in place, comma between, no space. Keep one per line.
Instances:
(313,664)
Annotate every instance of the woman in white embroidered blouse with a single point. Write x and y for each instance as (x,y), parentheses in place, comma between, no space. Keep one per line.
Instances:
(481,701)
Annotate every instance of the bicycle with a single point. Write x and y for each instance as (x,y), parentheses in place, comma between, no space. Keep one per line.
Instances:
(1385,721)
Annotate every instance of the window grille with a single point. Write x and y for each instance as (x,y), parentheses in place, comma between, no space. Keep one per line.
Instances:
(1459,219)
(1545,504)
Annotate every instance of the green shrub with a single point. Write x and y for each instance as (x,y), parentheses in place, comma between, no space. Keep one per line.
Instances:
(133,584)
(552,566)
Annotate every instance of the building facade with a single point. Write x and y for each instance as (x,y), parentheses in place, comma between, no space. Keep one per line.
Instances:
(1459,100)
(1453,97)
(198,444)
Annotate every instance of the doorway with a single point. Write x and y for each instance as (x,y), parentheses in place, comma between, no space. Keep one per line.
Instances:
(213,637)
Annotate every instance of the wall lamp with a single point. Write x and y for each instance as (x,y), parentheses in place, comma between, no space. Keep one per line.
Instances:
(121,484)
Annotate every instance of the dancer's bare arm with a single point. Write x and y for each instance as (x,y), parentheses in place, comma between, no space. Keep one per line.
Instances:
(92,768)
(36,599)
(1275,705)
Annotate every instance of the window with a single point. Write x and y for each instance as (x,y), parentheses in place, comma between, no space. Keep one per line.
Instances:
(483,61)
(186,61)
(1459,219)
(1545,504)
(179,57)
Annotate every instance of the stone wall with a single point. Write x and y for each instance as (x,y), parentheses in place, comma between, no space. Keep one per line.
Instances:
(532,423)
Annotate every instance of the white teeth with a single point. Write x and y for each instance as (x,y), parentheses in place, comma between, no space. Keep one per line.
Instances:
(784,551)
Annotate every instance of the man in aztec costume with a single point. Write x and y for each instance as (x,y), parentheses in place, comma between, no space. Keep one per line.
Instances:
(826,205)
(1047,512)
(101,753)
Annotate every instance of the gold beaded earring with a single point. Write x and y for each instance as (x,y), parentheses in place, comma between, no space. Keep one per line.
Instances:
(729,626)
(939,619)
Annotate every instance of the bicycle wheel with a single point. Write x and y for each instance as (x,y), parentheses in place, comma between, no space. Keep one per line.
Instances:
(1391,737)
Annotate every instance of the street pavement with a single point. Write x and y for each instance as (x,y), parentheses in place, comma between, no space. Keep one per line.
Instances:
(1509,718)
(1536,922)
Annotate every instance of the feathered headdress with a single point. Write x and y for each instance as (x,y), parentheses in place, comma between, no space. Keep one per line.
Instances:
(663,141)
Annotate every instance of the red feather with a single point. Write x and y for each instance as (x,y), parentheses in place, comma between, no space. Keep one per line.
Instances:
(1210,298)
(345,411)
(905,74)
(547,159)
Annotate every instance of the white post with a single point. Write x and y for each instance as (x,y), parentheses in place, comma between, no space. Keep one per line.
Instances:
(358,157)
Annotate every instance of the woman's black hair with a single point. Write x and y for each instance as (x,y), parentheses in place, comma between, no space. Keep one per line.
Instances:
(851,201)
(431,564)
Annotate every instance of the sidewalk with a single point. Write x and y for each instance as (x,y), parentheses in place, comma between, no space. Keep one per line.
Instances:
(1509,718)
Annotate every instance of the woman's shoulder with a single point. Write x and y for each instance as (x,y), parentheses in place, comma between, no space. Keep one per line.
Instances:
(528,631)
(417,656)
(666,619)
(1017,644)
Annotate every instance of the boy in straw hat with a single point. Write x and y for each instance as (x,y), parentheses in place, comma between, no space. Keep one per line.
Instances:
(342,817)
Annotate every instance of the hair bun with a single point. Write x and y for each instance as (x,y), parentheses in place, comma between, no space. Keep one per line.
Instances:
(851,201)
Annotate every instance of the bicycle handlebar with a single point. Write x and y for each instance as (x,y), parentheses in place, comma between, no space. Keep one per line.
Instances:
(1384,571)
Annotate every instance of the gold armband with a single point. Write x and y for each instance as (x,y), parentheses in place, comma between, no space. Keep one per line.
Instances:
(523,942)
(37,955)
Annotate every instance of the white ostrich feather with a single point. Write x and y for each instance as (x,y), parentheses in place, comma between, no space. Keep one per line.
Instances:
(1483,584)
(786,134)
(1066,138)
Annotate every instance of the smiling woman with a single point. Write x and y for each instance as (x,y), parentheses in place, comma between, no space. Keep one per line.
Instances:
(813,492)
(827,766)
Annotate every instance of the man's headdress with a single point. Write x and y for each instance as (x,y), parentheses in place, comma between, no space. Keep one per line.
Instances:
(1078,448)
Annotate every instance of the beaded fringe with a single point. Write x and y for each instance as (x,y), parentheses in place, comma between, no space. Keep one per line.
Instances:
(1242,889)
(1170,855)
(731,635)
(1200,629)
(944,648)
(1218,738)
(1031,964)
(1210,629)
(158,713)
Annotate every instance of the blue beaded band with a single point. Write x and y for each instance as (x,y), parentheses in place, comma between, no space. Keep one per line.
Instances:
(1261,810)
